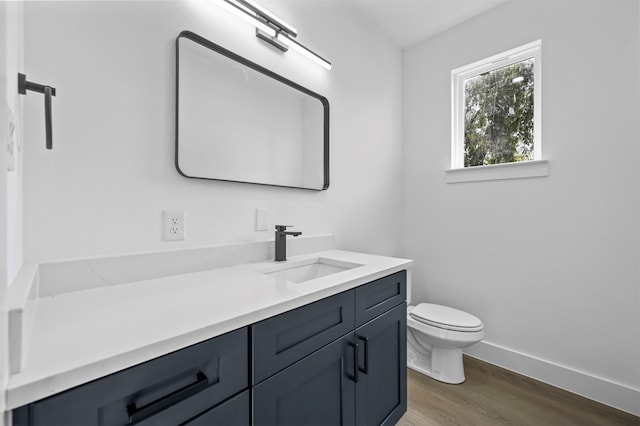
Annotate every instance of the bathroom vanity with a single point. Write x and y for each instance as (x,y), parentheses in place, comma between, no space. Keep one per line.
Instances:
(338,361)
(320,339)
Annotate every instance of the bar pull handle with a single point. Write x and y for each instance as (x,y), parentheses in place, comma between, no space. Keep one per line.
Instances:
(366,354)
(137,413)
(23,86)
(355,376)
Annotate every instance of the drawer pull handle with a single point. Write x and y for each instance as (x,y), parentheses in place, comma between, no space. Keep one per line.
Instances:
(355,362)
(138,413)
(366,354)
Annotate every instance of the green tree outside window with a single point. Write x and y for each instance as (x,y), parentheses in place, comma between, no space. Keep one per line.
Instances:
(498,115)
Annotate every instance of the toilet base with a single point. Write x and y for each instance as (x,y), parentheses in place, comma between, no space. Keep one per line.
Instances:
(442,364)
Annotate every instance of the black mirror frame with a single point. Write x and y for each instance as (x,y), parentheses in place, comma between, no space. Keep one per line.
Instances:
(229,54)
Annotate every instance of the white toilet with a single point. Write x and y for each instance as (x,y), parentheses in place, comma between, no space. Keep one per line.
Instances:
(435,337)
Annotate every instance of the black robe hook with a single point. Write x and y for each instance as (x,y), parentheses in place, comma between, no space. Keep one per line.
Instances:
(23,86)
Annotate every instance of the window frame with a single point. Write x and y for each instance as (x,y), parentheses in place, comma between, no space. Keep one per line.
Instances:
(500,60)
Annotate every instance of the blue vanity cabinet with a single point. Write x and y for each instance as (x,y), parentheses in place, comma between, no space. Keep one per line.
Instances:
(381,391)
(206,380)
(381,318)
(359,378)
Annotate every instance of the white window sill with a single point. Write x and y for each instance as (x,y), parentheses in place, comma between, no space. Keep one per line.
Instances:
(525,169)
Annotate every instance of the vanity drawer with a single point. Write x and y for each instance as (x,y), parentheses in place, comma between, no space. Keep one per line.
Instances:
(234,412)
(284,339)
(377,297)
(167,390)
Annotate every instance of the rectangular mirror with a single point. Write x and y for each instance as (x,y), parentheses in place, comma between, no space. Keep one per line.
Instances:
(238,121)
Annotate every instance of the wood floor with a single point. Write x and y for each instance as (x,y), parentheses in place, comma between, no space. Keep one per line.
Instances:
(494,396)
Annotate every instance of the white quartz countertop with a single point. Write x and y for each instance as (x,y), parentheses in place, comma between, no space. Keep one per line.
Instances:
(83,335)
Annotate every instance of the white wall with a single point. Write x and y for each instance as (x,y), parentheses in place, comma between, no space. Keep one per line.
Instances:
(550,265)
(102,188)
(11,43)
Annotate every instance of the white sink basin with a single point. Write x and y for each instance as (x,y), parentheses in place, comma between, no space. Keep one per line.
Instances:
(306,270)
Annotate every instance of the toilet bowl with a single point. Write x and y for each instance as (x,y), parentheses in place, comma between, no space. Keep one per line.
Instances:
(436,335)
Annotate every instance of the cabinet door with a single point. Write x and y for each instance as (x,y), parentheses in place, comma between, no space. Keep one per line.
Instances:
(379,296)
(381,392)
(318,390)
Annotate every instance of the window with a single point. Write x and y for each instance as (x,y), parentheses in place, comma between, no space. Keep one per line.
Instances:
(496,109)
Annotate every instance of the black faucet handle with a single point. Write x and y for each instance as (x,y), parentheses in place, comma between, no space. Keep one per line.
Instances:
(283,227)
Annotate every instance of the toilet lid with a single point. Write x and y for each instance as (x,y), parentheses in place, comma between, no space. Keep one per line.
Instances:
(445,317)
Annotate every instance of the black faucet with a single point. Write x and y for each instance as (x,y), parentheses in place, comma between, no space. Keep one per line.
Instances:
(281,241)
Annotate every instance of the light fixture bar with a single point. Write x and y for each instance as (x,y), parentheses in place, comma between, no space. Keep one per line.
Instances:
(271,28)
(268,16)
(247,15)
(303,50)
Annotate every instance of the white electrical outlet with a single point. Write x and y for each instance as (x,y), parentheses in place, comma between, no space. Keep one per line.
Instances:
(173,225)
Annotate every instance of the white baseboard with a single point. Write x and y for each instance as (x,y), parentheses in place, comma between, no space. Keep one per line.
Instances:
(598,389)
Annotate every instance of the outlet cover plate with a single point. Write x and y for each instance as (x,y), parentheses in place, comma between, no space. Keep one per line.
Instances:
(173,225)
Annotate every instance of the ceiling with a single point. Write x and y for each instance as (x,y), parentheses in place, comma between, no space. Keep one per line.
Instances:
(407,22)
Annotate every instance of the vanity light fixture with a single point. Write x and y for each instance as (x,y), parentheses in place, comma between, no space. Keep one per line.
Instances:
(246,15)
(271,28)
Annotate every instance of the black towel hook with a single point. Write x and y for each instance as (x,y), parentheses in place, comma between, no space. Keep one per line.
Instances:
(23,86)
